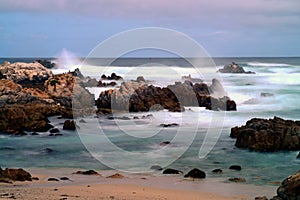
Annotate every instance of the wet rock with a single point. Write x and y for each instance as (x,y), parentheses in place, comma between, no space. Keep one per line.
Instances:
(64,179)
(195,173)
(69,125)
(116,175)
(54,130)
(234,68)
(268,135)
(289,188)
(88,172)
(237,180)
(34,133)
(169,125)
(165,143)
(298,156)
(53,179)
(15,174)
(217,171)
(135,117)
(235,167)
(261,198)
(35,178)
(156,167)
(47,150)
(46,63)
(140,79)
(172,171)
(58,134)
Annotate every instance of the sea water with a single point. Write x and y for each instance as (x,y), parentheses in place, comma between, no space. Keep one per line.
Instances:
(278,77)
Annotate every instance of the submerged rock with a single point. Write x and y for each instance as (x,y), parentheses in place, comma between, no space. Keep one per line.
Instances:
(217,171)
(234,68)
(237,180)
(195,173)
(268,134)
(156,167)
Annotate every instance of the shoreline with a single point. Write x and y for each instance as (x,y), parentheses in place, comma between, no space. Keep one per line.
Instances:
(132,186)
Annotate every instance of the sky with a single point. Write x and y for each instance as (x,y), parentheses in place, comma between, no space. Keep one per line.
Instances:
(224,28)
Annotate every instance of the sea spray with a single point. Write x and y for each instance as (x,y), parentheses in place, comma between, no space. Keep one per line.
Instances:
(66,61)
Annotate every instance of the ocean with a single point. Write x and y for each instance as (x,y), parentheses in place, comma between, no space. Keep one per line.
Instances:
(202,138)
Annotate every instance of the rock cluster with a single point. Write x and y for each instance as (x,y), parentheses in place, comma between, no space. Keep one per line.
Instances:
(29,93)
(268,134)
(136,96)
(234,68)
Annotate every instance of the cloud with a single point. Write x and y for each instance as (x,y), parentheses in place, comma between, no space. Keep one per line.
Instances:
(189,12)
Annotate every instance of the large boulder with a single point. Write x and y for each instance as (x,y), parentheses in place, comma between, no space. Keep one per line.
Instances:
(26,74)
(15,175)
(234,68)
(289,188)
(195,173)
(268,134)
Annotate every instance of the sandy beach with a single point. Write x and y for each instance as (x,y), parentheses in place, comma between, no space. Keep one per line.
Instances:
(131,186)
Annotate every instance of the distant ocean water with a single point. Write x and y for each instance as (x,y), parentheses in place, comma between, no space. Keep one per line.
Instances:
(279,77)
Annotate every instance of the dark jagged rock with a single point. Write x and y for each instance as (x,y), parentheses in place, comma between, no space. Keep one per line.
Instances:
(69,125)
(15,174)
(234,68)
(235,167)
(140,97)
(88,172)
(289,188)
(46,63)
(113,76)
(172,171)
(268,135)
(54,130)
(195,173)
(103,84)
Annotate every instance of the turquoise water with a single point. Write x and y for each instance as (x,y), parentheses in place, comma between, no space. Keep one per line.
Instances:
(277,76)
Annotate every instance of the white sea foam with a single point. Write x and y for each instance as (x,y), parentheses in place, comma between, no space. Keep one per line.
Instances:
(259,64)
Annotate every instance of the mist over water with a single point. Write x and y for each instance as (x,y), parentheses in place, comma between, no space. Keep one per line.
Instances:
(272,91)
(66,60)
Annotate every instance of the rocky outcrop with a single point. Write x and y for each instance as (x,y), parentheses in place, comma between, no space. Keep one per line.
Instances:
(289,188)
(24,108)
(18,118)
(14,175)
(138,96)
(26,74)
(234,68)
(172,171)
(268,134)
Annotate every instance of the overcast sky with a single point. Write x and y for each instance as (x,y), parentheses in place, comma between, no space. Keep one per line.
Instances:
(223,27)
